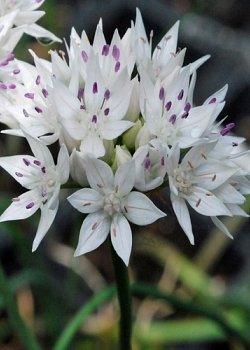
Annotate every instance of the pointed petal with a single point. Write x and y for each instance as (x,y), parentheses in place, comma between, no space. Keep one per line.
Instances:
(63,164)
(94,231)
(99,174)
(182,213)
(139,209)
(86,200)
(121,237)
(125,178)
(221,226)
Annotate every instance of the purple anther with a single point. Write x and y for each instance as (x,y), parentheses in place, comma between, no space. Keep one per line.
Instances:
(184,115)
(94,226)
(37,162)
(43,170)
(106,111)
(172,119)
(126,210)
(158,47)
(213,100)
(39,110)
(12,86)
(107,94)
(178,50)
(16,71)
(26,161)
(168,37)
(4,63)
(227,129)
(105,50)
(30,205)
(180,96)
(16,199)
(3,86)
(38,1)
(38,79)
(187,107)
(26,114)
(84,56)
(117,66)
(95,89)
(80,93)
(116,53)
(45,93)
(10,56)
(94,119)
(147,163)
(29,95)
(162,161)
(44,193)
(161,93)
(18,174)
(168,105)
(234,144)
(82,107)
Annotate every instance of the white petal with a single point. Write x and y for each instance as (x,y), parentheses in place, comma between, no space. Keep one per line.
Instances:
(182,213)
(140,210)
(63,164)
(18,211)
(99,174)
(86,200)
(46,220)
(121,237)
(111,130)
(221,226)
(93,144)
(125,178)
(94,231)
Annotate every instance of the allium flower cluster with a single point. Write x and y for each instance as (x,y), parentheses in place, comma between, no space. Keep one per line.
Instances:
(122,117)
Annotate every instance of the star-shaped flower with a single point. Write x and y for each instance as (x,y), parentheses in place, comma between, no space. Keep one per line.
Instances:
(42,178)
(110,204)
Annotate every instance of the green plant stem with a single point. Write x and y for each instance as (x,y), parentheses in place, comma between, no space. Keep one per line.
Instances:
(18,324)
(67,335)
(124,297)
(181,304)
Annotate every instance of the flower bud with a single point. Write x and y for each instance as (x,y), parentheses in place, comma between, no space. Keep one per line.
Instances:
(130,135)
(121,155)
(77,168)
(133,111)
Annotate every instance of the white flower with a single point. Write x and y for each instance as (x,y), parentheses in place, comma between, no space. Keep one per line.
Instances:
(196,180)
(42,178)
(110,203)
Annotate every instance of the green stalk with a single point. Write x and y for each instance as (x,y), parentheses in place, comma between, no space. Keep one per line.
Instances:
(67,335)
(124,297)
(18,324)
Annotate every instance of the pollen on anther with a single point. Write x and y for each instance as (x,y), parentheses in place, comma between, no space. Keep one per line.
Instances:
(198,203)
(29,95)
(107,94)
(38,79)
(161,93)
(37,162)
(214,178)
(147,164)
(94,119)
(18,174)
(26,161)
(95,88)
(43,170)
(203,155)
(30,205)
(86,204)
(181,94)
(209,194)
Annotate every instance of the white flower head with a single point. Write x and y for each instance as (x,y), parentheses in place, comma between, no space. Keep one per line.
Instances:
(110,204)
(42,178)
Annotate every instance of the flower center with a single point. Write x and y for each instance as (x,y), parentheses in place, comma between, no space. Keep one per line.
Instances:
(182,181)
(112,204)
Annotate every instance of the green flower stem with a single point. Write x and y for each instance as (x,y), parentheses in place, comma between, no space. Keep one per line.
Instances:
(18,324)
(67,335)
(181,304)
(124,297)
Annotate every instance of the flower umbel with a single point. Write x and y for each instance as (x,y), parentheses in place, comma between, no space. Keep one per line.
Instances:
(110,204)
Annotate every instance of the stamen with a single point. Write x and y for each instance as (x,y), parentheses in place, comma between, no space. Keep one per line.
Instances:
(168,37)
(29,206)
(44,193)
(187,107)
(107,94)
(162,161)
(151,33)
(172,119)
(94,119)
(227,129)
(86,204)
(29,95)
(114,232)
(105,50)
(147,163)
(82,107)
(26,161)
(190,164)
(158,47)
(161,93)
(95,89)
(117,66)
(116,53)
(106,111)
(213,100)
(18,174)
(12,86)
(185,185)
(39,110)
(234,144)
(180,96)
(80,93)
(16,71)
(37,162)
(198,202)
(38,79)
(16,199)
(185,115)
(100,185)
(143,40)
(214,178)
(94,226)
(84,56)
(3,86)
(10,56)
(209,194)
(43,169)
(126,210)
(203,155)
(4,63)
(168,105)
(116,188)
(26,114)
(45,93)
